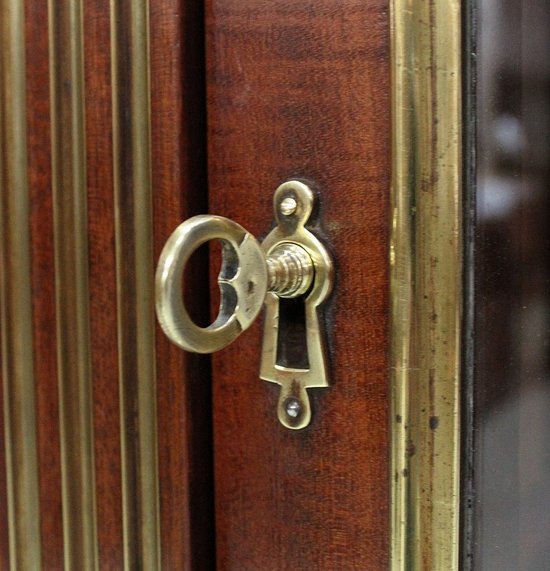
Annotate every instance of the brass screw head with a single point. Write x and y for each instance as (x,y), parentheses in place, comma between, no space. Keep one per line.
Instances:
(288,206)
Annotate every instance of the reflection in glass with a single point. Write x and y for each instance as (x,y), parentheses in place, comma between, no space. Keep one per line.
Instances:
(512,330)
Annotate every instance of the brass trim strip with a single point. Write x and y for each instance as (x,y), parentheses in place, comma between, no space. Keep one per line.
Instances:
(16,299)
(72,292)
(426,289)
(135,282)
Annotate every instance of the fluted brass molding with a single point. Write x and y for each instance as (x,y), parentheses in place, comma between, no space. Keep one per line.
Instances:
(72,291)
(15,298)
(426,292)
(133,207)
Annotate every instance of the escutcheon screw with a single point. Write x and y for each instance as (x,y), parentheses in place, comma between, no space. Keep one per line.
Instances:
(288,206)
(293,408)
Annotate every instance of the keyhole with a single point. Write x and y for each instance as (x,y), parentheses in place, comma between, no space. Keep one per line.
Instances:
(291,338)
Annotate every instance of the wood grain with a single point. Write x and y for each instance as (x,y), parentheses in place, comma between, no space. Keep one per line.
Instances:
(179,191)
(301,89)
(102,283)
(43,282)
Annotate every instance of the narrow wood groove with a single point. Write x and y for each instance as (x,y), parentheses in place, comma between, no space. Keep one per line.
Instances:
(43,281)
(102,268)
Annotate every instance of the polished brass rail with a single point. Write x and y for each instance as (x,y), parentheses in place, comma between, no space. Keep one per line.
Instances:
(135,282)
(15,298)
(72,292)
(426,291)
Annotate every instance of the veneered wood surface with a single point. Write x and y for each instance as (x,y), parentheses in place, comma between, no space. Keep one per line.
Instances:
(301,89)
(102,283)
(43,282)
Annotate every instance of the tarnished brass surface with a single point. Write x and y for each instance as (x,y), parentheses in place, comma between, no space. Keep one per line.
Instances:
(426,292)
(290,270)
(135,282)
(245,278)
(18,375)
(291,263)
(72,292)
(242,281)
(294,382)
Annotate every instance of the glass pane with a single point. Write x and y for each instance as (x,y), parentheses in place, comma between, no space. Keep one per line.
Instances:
(512,288)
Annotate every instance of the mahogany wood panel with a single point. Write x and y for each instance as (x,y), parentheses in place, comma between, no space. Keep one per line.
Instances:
(301,89)
(179,191)
(102,283)
(43,277)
